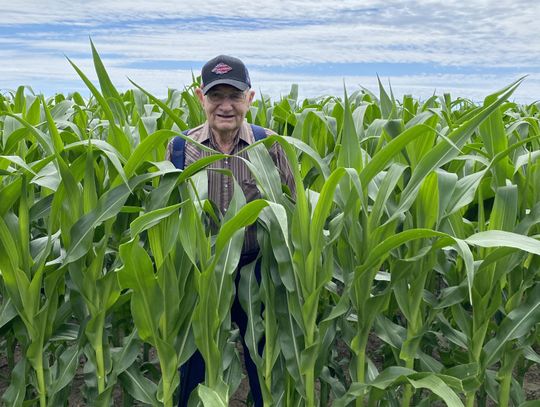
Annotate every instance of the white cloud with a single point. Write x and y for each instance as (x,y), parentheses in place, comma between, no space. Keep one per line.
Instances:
(478,34)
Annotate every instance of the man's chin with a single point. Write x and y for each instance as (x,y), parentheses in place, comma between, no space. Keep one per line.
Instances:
(227,126)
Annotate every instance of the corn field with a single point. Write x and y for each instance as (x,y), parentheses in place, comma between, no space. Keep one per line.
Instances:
(405,272)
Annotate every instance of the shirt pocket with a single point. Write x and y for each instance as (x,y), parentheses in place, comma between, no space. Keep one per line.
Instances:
(249,187)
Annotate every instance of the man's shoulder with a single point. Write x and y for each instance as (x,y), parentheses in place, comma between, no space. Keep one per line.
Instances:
(196,133)
(257,132)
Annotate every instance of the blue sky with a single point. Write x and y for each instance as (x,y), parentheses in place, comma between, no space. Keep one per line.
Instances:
(469,49)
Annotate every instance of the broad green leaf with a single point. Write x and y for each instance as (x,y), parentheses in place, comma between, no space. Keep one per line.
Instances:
(7,311)
(152,218)
(67,366)
(499,238)
(108,206)
(210,397)
(118,139)
(138,275)
(179,122)
(246,216)
(439,387)
(379,161)
(350,155)
(518,323)
(138,386)
(15,394)
(107,88)
(443,152)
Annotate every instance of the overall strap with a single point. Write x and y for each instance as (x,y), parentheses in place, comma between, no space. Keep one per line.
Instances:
(178,151)
(258,132)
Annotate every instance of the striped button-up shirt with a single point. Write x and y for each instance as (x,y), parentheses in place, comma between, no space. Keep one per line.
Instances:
(220,186)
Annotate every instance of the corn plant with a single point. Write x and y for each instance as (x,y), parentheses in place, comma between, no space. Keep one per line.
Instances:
(403,271)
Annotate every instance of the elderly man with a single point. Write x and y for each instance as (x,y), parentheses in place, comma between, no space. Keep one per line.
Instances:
(226,95)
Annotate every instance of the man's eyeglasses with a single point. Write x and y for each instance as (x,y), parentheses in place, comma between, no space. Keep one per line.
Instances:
(219,97)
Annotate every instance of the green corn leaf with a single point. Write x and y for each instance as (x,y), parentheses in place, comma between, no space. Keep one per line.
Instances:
(145,148)
(19,105)
(495,140)
(387,103)
(518,323)
(246,216)
(108,206)
(177,120)
(465,191)
(7,312)
(248,293)
(261,165)
(44,140)
(436,385)
(384,192)
(119,140)
(274,219)
(499,238)
(198,165)
(9,264)
(53,130)
(211,398)
(152,218)
(24,228)
(318,220)
(170,379)
(110,152)
(350,155)
(427,204)
(227,260)
(309,152)
(19,162)
(15,394)
(89,188)
(526,159)
(138,275)
(443,152)
(10,193)
(71,188)
(396,375)
(290,340)
(206,325)
(67,367)
(379,161)
(107,88)
(138,386)
(103,399)
(504,212)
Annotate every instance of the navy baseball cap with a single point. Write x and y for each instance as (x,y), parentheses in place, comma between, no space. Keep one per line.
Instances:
(226,70)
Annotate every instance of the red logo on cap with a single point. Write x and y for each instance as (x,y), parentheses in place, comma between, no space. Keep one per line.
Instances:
(221,68)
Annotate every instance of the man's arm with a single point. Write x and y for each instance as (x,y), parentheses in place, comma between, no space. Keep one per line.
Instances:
(168,153)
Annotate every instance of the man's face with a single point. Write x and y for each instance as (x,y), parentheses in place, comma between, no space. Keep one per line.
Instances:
(225,107)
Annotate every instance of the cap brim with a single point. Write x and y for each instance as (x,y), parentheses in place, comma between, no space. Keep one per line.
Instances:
(237,84)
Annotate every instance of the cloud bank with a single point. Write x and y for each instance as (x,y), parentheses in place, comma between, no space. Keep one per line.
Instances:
(469,49)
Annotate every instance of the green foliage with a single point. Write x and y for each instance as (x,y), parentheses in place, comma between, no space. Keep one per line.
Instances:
(414,227)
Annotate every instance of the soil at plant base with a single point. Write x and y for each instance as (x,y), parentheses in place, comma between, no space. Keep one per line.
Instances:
(239,398)
(532,383)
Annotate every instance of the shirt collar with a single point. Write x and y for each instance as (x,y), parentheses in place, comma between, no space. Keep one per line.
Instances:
(243,133)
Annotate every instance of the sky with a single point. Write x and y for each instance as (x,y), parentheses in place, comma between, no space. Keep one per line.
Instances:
(469,49)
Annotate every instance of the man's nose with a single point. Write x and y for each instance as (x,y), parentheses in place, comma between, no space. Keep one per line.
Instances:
(226,103)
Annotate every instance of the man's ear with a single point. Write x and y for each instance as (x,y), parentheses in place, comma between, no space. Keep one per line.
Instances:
(200,94)
(250,96)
